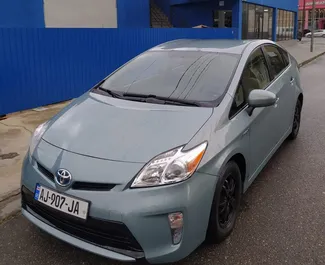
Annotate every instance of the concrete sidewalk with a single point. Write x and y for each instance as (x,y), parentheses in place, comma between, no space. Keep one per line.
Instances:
(15,135)
(301,50)
(17,128)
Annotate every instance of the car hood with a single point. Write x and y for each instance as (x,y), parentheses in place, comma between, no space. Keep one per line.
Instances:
(120,130)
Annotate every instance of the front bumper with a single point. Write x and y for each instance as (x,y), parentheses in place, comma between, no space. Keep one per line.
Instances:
(41,223)
(127,224)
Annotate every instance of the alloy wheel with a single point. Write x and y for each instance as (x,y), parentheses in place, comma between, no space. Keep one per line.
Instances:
(227,203)
(296,120)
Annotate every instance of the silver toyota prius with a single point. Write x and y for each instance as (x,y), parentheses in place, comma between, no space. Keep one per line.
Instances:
(154,159)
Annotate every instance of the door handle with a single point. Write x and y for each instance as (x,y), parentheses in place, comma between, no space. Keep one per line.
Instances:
(276,103)
(245,132)
(292,80)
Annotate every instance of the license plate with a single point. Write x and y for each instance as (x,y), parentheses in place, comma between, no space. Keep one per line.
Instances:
(61,202)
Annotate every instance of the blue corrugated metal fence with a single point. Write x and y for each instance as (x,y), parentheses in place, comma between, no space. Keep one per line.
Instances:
(44,66)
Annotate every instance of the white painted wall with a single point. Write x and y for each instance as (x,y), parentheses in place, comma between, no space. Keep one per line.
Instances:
(80,13)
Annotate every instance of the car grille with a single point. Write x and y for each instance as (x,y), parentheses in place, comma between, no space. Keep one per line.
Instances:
(45,172)
(111,235)
(78,185)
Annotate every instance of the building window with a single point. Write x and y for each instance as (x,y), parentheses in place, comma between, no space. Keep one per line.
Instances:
(257,22)
(222,19)
(285,25)
(319,19)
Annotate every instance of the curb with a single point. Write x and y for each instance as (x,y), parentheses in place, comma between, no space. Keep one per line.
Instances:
(9,195)
(10,216)
(9,208)
(311,59)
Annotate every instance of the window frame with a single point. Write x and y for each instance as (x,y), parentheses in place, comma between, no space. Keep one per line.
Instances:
(287,57)
(245,105)
(275,77)
(268,63)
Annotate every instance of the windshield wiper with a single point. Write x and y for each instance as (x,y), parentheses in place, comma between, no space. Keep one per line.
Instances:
(110,92)
(160,100)
(149,98)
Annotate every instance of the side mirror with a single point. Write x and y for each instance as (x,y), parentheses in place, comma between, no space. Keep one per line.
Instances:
(259,98)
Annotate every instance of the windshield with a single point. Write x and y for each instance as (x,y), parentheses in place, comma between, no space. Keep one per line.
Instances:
(186,75)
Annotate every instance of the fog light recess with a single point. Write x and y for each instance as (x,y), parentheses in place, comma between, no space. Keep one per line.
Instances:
(176,226)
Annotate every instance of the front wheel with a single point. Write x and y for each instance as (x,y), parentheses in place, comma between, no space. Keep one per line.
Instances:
(296,121)
(226,203)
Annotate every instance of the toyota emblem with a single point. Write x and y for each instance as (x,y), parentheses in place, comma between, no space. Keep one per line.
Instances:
(63,177)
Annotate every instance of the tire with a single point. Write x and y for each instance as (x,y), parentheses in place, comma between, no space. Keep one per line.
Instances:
(219,229)
(296,121)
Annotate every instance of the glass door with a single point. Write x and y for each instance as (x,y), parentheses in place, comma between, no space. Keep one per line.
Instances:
(259,22)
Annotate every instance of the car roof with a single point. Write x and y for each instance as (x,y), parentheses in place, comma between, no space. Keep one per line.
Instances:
(208,45)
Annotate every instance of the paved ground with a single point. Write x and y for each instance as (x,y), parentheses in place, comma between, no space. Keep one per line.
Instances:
(15,133)
(301,50)
(282,218)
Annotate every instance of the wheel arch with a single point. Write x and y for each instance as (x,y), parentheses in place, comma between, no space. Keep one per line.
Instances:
(301,98)
(240,160)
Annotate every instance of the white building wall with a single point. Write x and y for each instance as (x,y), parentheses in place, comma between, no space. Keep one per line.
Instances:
(80,13)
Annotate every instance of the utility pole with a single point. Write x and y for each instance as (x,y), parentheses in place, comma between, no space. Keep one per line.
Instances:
(312,28)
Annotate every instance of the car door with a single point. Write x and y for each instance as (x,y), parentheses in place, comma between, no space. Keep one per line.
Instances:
(262,121)
(282,84)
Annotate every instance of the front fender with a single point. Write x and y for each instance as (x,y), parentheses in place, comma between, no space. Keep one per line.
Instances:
(218,162)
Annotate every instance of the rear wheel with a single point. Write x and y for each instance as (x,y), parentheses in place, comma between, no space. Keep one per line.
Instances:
(226,203)
(296,121)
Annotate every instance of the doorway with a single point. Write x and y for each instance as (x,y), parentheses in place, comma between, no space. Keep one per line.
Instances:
(257,22)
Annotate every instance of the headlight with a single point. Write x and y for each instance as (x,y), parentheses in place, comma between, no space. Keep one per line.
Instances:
(40,130)
(170,167)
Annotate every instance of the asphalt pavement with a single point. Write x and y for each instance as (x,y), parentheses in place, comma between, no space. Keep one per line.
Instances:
(282,220)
